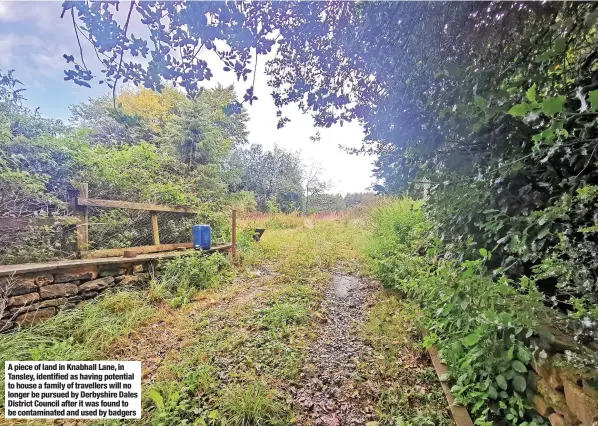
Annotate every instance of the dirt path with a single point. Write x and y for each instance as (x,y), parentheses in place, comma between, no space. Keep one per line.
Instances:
(327,392)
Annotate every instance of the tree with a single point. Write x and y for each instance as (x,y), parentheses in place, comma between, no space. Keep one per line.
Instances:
(153,108)
(203,133)
(314,185)
(32,176)
(103,125)
(16,119)
(273,176)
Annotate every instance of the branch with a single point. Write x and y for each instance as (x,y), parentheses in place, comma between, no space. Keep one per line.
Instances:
(254,71)
(122,53)
(78,40)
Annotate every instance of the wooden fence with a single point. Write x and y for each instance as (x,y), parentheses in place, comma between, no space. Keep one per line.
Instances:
(81,207)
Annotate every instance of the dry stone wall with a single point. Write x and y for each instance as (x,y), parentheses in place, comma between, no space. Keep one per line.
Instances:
(28,299)
(566,396)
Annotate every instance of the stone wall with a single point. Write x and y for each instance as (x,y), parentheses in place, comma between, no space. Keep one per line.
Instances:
(565,395)
(30,298)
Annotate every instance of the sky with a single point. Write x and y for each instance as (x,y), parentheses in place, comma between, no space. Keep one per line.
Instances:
(33,39)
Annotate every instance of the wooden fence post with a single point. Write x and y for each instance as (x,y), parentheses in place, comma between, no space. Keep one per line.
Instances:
(234,237)
(82,214)
(155,230)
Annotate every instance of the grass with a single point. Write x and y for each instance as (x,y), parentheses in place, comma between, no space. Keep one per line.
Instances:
(79,334)
(253,340)
(280,315)
(181,278)
(225,352)
(253,404)
(414,396)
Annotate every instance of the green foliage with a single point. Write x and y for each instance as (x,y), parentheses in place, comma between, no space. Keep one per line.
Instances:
(253,404)
(15,119)
(156,148)
(79,334)
(280,315)
(203,133)
(35,173)
(243,201)
(272,206)
(400,410)
(481,325)
(515,154)
(273,176)
(179,279)
(34,181)
(181,404)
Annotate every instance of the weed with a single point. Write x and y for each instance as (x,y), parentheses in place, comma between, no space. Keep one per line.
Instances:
(179,279)
(300,293)
(175,404)
(253,404)
(280,315)
(399,407)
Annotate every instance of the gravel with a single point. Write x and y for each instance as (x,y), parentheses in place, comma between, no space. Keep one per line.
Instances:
(326,392)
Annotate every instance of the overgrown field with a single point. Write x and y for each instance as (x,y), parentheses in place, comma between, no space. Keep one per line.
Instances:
(224,344)
(233,343)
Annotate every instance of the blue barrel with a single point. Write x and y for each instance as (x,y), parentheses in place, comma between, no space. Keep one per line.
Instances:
(202,237)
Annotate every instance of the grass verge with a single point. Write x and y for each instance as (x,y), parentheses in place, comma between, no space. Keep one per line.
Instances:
(409,392)
(76,335)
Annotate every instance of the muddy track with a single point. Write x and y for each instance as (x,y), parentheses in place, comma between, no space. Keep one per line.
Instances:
(327,394)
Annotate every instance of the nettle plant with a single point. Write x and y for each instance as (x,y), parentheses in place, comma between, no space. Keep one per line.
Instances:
(483,327)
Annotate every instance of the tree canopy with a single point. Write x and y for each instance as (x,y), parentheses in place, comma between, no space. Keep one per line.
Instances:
(274,177)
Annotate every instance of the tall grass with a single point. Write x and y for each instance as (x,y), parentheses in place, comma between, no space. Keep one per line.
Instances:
(76,335)
(181,278)
(271,220)
(254,404)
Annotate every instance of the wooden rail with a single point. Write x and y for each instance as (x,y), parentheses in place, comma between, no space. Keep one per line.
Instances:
(96,254)
(10,270)
(83,202)
(81,207)
(82,214)
(97,202)
(460,414)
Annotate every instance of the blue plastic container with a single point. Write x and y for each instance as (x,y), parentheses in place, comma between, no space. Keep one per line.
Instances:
(202,237)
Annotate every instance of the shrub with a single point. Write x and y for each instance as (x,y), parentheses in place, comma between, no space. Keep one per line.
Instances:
(179,279)
(481,325)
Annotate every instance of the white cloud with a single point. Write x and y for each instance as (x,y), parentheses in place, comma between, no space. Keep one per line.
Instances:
(41,14)
(32,57)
